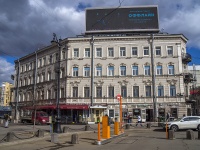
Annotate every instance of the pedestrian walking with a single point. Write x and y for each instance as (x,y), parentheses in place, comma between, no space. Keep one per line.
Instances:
(139,121)
(6,118)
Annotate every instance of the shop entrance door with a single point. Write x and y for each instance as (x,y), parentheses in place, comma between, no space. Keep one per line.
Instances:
(143,115)
(149,115)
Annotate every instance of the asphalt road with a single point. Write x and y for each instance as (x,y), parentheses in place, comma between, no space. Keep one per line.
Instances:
(138,138)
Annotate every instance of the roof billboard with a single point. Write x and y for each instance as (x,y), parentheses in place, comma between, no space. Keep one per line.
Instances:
(123,19)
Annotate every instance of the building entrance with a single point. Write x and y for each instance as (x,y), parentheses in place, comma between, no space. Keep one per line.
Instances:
(149,115)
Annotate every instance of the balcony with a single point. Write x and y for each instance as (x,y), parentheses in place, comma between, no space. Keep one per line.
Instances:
(186,58)
(188,78)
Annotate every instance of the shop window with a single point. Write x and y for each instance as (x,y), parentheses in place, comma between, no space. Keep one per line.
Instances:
(174,112)
(161,112)
(111,113)
(136,112)
(97,113)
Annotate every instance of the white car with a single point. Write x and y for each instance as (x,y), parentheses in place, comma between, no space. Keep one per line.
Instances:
(189,122)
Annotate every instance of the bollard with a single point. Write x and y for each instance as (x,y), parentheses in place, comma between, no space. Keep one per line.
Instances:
(199,135)
(87,127)
(171,135)
(74,138)
(148,125)
(65,129)
(54,138)
(9,137)
(40,133)
(190,135)
(127,126)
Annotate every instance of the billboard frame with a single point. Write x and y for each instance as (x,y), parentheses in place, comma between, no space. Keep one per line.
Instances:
(152,30)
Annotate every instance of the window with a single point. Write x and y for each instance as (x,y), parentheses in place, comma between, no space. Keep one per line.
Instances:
(135,70)
(48,94)
(63,55)
(146,51)
(147,70)
(99,52)
(98,92)
(135,91)
(148,91)
(123,91)
(86,71)
(22,69)
(43,77)
(50,59)
(76,52)
(30,66)
(111,91)
(172,90)
(123,70)
(75,71)
(40,63)
(75,92)
(57,56)
(87,52)
(29,81)
(134,51)
(86,92)
(110,52)
(122,51)
(62,93)
(171,69)
(160,91)
(62,73)
(170,50)
(26,67)
(110,70)
(159,70)
(98,71)
(49,76)
(38,78)
(44,61)
(42,94)
(158,51)
(111,112)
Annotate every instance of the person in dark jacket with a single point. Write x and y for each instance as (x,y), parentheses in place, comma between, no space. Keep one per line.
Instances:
(6,118)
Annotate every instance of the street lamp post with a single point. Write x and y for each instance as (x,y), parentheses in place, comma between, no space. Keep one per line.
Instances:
(57,127)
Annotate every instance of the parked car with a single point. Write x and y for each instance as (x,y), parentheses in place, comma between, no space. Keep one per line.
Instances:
(41,117)
(189,122)
(26,119)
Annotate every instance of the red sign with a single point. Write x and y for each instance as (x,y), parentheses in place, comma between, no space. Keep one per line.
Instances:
(118,97)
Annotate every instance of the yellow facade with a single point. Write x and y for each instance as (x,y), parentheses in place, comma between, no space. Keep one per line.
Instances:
(6,93)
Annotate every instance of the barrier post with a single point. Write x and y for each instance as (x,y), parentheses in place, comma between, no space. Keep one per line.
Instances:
(99,137)
(166,131)
(116,128)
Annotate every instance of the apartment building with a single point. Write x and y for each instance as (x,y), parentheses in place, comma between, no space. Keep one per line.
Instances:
(6,94)
(94,69)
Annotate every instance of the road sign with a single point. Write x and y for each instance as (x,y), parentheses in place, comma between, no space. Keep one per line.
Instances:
(118,97)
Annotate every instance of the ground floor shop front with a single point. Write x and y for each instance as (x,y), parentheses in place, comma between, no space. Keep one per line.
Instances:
(90,114)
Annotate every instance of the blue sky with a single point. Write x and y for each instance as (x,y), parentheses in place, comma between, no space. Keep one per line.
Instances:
(28,25)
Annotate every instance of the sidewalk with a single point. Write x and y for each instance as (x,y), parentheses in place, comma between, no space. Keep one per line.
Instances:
(134,138)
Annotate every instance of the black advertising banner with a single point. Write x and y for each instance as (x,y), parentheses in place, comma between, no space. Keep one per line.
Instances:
(128,19)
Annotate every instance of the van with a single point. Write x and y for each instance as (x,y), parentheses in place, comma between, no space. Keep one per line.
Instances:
(41,117)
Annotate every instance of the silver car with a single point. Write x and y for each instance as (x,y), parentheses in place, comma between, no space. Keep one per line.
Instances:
(189,122)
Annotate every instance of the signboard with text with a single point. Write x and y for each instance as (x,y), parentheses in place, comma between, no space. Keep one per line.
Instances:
(123,19)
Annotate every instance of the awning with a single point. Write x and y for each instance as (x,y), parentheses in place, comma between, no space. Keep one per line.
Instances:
(83,107)
(98,107)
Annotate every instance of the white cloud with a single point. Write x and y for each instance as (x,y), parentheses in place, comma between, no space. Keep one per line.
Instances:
(6,70)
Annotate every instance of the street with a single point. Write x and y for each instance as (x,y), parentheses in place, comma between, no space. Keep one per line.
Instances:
(134,138)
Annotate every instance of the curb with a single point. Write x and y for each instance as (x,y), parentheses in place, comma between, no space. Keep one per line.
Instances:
(105,141)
